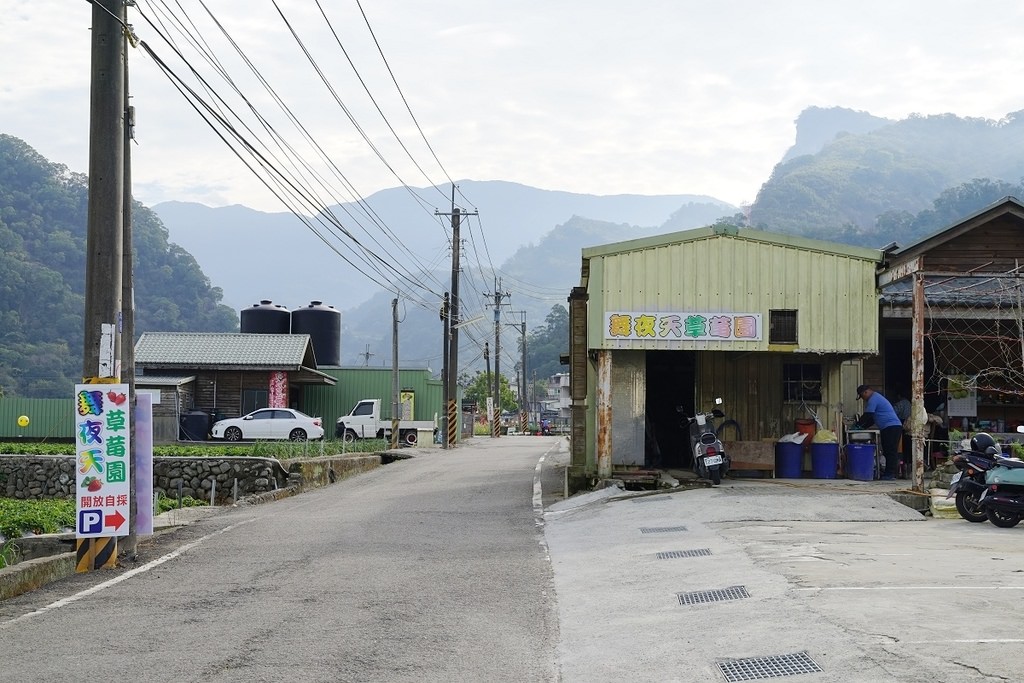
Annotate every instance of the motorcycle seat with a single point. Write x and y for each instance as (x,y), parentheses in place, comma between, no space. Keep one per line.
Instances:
(1012,463)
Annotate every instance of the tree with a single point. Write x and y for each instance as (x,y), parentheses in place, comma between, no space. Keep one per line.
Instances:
(482,386)
(547,343)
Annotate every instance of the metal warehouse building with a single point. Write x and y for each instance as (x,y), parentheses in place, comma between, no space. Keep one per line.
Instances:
(773,324)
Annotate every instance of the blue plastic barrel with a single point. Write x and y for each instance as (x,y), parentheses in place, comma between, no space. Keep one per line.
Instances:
(860,461)
(789,460)
(824,460)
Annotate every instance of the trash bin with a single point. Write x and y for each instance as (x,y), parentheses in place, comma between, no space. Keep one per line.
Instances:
(860,461)
(789,460)
(824,460)
(195,426)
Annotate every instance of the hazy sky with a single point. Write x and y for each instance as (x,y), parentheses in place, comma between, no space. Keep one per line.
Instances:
(649,97)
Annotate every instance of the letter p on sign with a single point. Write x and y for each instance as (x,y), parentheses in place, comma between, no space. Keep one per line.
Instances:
(90,521)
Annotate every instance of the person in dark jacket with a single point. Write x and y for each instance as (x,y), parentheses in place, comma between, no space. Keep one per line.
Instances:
(879,412)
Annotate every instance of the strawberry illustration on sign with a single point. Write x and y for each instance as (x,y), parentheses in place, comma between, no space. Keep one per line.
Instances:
(92,484)
(118,399)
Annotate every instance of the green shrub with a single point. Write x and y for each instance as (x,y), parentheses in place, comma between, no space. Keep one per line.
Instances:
(18,517)
(165,504)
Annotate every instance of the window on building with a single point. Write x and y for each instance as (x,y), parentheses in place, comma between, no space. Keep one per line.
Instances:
(801,382)
(253,399)
(782,327)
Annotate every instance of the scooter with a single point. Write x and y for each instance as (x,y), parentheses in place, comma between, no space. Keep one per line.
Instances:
(710,460)
(1003,497)
(969,482)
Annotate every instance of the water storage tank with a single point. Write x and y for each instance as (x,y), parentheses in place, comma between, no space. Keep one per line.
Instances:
(266,317)
(323,325)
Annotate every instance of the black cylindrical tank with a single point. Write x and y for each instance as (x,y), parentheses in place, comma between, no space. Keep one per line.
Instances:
(266,317)
(323,325)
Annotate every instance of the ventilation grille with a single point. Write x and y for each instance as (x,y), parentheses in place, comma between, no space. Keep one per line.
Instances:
(660,529)
(717,595)
(776,666)
(673,554)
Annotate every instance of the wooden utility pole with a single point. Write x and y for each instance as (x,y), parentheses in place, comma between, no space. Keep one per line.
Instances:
(394,373)
(917,440)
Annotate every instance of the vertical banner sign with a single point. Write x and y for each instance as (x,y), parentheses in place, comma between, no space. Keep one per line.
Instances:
(408,401)
(143,471)
(101,464)
(278,394)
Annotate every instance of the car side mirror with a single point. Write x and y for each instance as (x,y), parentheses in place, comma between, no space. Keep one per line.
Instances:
(247,417)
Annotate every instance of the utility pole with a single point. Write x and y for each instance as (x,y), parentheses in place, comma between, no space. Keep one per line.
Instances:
(394,373)
(498,296)
(104,233)
(521,375)
(446,427)
(128,308)
(487,380)
(452,358)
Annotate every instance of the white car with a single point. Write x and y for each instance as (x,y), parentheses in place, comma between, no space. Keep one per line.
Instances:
(270,423)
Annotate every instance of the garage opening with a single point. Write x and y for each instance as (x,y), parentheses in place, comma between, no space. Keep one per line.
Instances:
(671,376)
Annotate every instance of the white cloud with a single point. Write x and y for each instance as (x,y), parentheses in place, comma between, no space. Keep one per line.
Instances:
(592,96)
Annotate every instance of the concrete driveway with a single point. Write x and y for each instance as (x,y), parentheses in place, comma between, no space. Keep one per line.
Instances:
(821,581)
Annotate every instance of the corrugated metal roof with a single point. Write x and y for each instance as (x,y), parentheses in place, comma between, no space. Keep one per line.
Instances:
(237,349)
(163,380)
(751,234)
(1006,205)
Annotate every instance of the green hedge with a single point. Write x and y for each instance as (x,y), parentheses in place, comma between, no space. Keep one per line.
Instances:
(280,450)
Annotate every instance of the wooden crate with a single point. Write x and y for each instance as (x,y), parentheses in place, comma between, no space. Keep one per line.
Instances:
(751,455)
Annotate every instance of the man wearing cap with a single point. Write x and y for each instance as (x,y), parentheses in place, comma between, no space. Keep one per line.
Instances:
(879,412)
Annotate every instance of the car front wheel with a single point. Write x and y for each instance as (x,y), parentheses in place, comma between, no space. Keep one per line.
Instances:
(232,434)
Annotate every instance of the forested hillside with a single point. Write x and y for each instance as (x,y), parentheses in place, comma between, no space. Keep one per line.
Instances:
(42,276)
(898,167)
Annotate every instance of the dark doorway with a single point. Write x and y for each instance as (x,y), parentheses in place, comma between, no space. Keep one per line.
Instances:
(899,373)
(671,376)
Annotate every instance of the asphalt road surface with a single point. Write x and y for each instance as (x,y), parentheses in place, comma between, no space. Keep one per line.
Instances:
(429,569)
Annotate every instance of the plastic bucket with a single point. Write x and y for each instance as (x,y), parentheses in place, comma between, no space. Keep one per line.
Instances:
(789,460)
(824,460)
(860,461)
(808,427)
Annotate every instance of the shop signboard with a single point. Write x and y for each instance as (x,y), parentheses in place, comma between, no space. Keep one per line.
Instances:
(682,326)
(102,445)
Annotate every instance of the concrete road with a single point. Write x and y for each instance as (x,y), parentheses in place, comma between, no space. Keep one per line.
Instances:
(853,584)
(430,569)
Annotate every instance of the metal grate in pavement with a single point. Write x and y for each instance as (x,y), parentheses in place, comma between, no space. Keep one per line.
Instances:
(776,666)
(660,529)
(716,595)
(673,554)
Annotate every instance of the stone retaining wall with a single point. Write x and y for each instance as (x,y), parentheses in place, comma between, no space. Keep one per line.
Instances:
(38,477)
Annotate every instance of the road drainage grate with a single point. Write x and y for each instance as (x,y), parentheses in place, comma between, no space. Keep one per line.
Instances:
(660,529)
(776,666)
(717,595)
(673,554)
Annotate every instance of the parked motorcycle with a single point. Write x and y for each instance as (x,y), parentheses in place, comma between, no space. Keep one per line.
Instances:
(969,482)
(710,460)
(1003,497)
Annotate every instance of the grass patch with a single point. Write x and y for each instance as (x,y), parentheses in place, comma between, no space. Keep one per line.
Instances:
(165,504)
(18,517)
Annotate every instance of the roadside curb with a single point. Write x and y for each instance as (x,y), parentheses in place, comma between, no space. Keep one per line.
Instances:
(32,574)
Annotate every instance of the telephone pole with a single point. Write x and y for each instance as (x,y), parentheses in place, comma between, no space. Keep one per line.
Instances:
(487,381)
(446,427)
(498,296)
(452,358)
(394,373)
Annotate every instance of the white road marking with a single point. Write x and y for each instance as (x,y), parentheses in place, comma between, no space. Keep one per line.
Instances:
(123,577)
(915,588)
(974,641)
